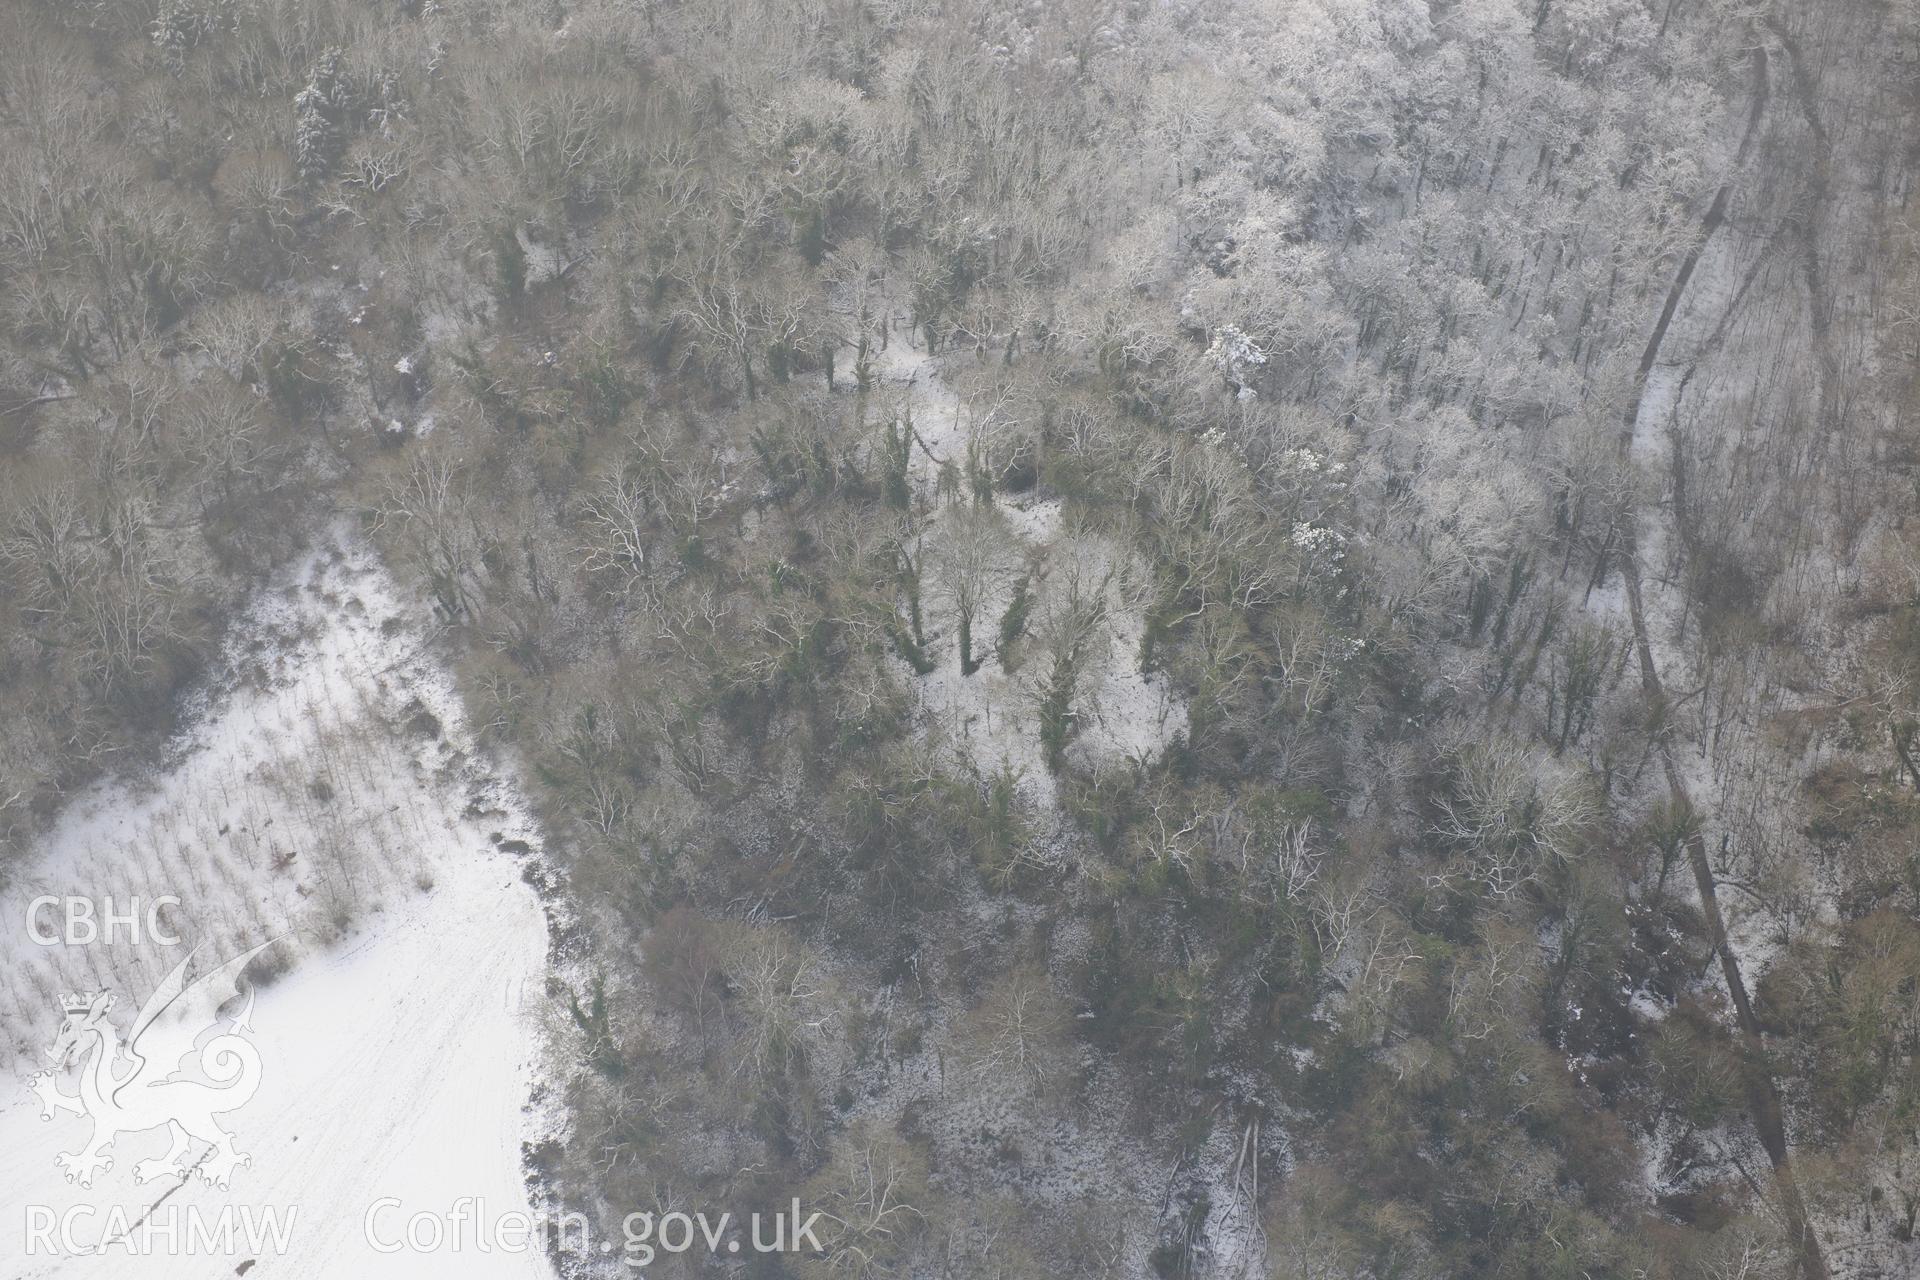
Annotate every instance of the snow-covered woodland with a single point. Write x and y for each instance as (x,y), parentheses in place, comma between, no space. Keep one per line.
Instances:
(1126,638)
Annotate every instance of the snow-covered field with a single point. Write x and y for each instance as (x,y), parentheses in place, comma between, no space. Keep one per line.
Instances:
(329,794)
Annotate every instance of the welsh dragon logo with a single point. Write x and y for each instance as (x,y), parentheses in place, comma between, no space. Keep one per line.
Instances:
(175,1068)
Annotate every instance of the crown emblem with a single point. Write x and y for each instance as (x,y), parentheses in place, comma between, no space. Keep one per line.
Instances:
(76,1003)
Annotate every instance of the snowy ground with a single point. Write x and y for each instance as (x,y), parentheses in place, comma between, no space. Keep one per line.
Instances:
(1124,713)
(329,794)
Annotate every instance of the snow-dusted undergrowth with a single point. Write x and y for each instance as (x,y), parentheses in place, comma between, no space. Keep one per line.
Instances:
(990,715)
